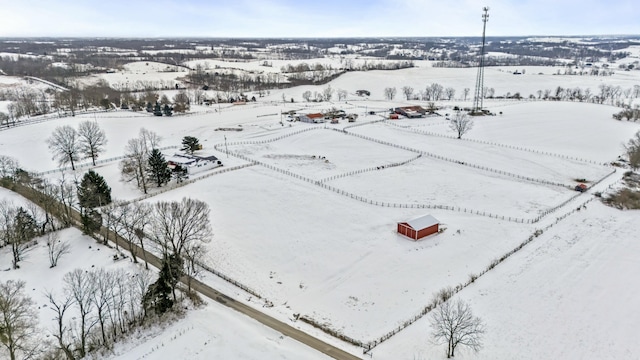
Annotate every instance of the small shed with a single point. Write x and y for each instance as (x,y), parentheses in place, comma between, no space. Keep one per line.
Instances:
(419,227)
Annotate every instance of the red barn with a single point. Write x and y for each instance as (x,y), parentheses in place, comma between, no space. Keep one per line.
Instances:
(419,227)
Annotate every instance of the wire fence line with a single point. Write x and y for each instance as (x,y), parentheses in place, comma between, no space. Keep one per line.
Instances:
(520,148)
(179,185)
(408,205)
(47,117)
(98,162)
(368,346)
(451,160)
(322,182)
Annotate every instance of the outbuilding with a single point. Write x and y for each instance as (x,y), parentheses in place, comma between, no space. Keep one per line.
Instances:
(419,227)
(312,118)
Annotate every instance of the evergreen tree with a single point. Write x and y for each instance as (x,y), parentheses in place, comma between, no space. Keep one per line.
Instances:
(159,294)
(180,173)
(167,110)
(25,226)
(91,221)
(157,110)
(158,170)
(24,229)
(93,191)
(190,144)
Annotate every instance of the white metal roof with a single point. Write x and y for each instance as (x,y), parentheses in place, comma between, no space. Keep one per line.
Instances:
(423,222)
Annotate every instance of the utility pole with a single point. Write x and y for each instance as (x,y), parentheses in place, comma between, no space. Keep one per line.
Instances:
(226,149)
(479,94)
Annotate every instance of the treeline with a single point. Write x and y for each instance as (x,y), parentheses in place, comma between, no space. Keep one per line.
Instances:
(94,309)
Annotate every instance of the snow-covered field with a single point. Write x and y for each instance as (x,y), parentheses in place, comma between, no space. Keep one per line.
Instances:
(570,294)
(205,332)
(335,256)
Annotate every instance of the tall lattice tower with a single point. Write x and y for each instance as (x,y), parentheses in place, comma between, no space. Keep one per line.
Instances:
(479,94)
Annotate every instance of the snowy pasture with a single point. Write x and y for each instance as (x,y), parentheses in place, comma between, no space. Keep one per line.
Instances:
(434,182)
(585,131)
(338,260)
(320,153)
(417,134)
(569,294)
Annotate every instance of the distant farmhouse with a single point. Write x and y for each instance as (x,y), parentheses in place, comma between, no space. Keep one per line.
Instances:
(193,163)
(312,118)
(411,111)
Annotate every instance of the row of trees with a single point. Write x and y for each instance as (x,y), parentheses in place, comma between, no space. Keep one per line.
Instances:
(628,114)
(97,308)
(325,95)
(94,309)
(69,145)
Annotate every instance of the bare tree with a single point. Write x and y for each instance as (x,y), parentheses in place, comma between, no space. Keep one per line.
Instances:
(79,285)
(633,151)
(8,166)
(61,332)
(450,93)
(92,139)
(390,93)
(56,248)
(453,324)
(101,297)
(465,91)
(436,91)
(149,139)
(327,93)
(65,146)
(133,167)
(306,95)
(141,281)
(179,226)
(134,218)
(194,253)
(461,123)
(66,194)
(119,301)
(137,151)
(18,321)
(407,91)
(342,94)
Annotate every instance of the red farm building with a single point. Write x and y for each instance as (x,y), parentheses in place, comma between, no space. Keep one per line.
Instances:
(419,227)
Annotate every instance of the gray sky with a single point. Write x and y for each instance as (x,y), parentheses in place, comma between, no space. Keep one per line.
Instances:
(316,18)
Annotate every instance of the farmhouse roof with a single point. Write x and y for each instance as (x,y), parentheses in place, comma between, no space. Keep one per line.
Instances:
(314,116)
(423,222)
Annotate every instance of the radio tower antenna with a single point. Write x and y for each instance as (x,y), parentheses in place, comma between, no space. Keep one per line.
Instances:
(479,94)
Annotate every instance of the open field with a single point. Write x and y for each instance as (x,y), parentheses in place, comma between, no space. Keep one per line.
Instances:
(566,295)
(315,252)
(311,226)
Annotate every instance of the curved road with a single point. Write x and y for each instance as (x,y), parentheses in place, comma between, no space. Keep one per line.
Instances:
(210,292)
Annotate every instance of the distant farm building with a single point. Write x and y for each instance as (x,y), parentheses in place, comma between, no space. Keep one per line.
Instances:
(312,118)
(411,111)
(419,227)
(193,163)
(363,93)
